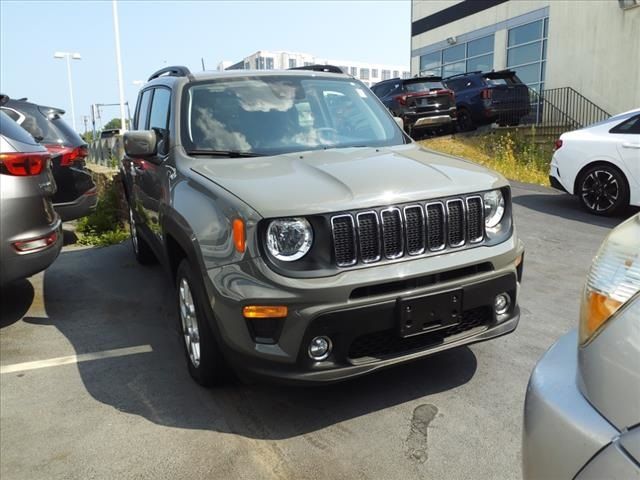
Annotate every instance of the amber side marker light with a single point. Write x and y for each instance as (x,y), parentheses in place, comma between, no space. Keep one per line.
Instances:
(239,237)
(518,260)
(264,311)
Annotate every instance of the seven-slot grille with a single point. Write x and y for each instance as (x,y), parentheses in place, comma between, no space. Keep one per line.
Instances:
(394,232)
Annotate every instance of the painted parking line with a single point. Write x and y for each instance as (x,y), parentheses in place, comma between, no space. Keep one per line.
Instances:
(83,357)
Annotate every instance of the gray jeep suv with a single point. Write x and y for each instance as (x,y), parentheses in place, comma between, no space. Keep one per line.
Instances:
(309,238)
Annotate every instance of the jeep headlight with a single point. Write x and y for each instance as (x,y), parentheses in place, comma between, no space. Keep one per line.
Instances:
(613,279)
(493,208)
(289,239)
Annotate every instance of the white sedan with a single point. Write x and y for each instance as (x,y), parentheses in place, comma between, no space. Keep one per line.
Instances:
(600,164)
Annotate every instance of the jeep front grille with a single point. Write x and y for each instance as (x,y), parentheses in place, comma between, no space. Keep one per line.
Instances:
(397,231)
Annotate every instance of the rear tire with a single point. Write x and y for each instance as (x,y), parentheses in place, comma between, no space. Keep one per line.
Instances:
(141,249)
(204,358)
(465,122)
(602,190)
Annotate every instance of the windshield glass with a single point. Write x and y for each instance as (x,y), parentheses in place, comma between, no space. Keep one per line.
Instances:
(269,115)
(423,86)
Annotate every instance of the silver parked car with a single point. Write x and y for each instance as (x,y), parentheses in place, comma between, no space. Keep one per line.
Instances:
(582,409)
(30,229)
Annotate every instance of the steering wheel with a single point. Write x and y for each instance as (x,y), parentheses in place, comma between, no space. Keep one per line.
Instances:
(327,133)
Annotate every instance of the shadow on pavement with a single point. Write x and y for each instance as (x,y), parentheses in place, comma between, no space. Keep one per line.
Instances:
(116,303)
(15,300)
(568,207)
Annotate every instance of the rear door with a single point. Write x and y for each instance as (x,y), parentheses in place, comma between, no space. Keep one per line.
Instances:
(627,135)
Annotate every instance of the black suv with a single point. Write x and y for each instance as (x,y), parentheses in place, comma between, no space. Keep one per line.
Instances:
(421,102)
(76,195)
(484,98)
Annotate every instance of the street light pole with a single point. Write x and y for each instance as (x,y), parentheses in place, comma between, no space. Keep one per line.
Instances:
(116,31)
(69,56)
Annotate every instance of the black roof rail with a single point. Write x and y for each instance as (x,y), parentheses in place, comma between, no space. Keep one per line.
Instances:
(320,68)
(174,71)
(462,74)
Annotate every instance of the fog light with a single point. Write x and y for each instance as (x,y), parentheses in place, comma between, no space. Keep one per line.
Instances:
(502,303)
(320,348)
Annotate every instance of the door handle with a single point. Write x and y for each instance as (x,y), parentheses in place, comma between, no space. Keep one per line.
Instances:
(631,145)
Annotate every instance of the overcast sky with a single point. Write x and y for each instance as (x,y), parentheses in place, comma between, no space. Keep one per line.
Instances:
(154,33)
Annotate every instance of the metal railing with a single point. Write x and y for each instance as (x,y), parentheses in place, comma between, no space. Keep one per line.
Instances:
(106,151)
(554,111)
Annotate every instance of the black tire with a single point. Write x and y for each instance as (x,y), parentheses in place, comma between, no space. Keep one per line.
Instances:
(141,249)
(210,368)
(602,190)
(465,121)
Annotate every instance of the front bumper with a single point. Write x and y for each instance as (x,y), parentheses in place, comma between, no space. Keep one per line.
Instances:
(362,327)
(562,431)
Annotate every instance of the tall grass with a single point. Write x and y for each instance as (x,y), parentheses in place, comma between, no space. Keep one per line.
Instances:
(515,156)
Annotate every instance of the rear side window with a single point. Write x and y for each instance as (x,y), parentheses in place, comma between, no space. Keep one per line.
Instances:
(10,129)
(383,90)
(15,116)
(458,84)
(39,126)
(71,136)
(143,110)
(631,126)
(159,117)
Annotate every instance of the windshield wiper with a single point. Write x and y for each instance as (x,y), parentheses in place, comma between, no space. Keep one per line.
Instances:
(222,153)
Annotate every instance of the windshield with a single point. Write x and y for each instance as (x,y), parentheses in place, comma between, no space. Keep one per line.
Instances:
(423,86)
(269,115)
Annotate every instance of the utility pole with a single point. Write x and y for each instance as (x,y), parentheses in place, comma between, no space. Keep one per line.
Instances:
(116,31)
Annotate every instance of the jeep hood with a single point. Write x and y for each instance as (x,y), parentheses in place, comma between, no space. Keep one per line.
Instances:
(335,180)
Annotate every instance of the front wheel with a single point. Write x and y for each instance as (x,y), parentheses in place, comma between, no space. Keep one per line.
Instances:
(204,358)
(603,190)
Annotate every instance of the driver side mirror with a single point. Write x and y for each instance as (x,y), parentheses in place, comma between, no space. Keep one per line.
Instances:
(400,122)
(140,143)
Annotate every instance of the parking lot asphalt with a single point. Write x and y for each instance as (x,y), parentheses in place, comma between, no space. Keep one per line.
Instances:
(136,413)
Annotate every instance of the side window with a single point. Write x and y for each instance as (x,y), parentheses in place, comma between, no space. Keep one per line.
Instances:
(159,117)
(631,126)
(15,116)
(143,110)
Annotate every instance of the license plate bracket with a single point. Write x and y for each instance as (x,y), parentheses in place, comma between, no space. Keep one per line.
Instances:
(428,313)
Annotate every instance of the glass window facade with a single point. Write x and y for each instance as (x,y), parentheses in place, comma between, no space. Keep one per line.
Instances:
(354,71)
(364,74)
(386,74)
(292,63)
(527,52)
(269,63)
(470,56)
(374,73)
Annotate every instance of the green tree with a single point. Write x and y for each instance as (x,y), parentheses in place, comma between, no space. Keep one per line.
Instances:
(114,123)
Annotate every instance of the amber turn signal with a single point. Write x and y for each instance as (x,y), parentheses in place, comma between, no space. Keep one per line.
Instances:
(264,311)
(239,237)
(596,310)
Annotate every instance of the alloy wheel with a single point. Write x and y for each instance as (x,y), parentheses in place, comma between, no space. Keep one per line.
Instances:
(189,320)
(600,190)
